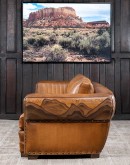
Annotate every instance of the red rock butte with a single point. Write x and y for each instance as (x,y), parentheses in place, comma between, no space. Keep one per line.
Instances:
(52,12)
(59,17)
(53,17)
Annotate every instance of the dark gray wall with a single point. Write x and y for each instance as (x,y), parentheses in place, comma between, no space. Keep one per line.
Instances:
(18,79)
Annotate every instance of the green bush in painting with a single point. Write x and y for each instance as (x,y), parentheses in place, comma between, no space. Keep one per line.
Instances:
(85,45)
(59,43)
(53,38)
(25,44)
(38,41)
(41,41)
(55,53)
(31,40)
(65,42)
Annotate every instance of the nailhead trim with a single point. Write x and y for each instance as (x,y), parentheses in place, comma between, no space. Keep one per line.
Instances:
(61,153)
(25,137)
(67,121)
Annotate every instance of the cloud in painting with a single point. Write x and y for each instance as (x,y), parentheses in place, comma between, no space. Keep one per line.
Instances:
(28,8)
(88,12)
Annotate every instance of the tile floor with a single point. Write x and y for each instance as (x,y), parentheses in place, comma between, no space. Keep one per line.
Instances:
(115,152)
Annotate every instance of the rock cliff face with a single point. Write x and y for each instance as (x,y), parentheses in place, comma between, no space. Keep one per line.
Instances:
(52,12)
(53,17)
(59,17)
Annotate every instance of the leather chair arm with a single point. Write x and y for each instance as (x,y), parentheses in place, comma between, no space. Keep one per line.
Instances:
(73,107)
(99,88)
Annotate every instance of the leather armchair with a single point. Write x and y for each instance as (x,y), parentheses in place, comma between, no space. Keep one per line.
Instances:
(66,118)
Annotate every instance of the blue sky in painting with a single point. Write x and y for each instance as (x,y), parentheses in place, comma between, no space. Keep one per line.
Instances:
(88,12)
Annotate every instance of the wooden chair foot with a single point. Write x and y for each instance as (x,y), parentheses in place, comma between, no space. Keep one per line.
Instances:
(30,157)
(94,155)
(23,155)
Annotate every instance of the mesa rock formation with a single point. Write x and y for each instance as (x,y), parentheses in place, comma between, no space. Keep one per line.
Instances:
(52,13)
(59,17)
(53,17)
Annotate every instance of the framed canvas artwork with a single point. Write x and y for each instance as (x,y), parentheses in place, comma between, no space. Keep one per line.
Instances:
(66,32)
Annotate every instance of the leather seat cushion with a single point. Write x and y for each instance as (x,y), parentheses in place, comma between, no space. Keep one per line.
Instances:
(80,84)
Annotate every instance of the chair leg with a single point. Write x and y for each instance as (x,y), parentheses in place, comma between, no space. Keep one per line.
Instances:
(30,157)
(23,155)
(94,155)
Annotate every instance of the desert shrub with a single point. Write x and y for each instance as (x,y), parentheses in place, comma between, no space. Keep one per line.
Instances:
(55,53)
(48,32)
(25,31)
(69,33)
(66,34)
(33,35)
(106,36)
(25,44)
(65,42)
(53,38)
(101,31)
(75,45)
(39,33)
(77,37)
(85,45)
(40,41)
(104,43)
(74,31)
(95,44)
(108,29)
(100,40)
(31,40)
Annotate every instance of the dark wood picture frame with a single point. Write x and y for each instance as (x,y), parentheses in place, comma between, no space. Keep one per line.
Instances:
(68,45)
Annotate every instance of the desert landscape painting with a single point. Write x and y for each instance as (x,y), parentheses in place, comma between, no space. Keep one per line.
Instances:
(65,32)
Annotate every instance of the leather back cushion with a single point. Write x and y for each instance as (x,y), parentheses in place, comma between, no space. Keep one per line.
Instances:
(80,84)
(51,87)
(86,88)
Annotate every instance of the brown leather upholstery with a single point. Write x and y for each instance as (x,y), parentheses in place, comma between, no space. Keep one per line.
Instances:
(86,88)
(65,138)
(21,139)
(51,87)
(69,107)
(21,122)
(65,123)
(76,85)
